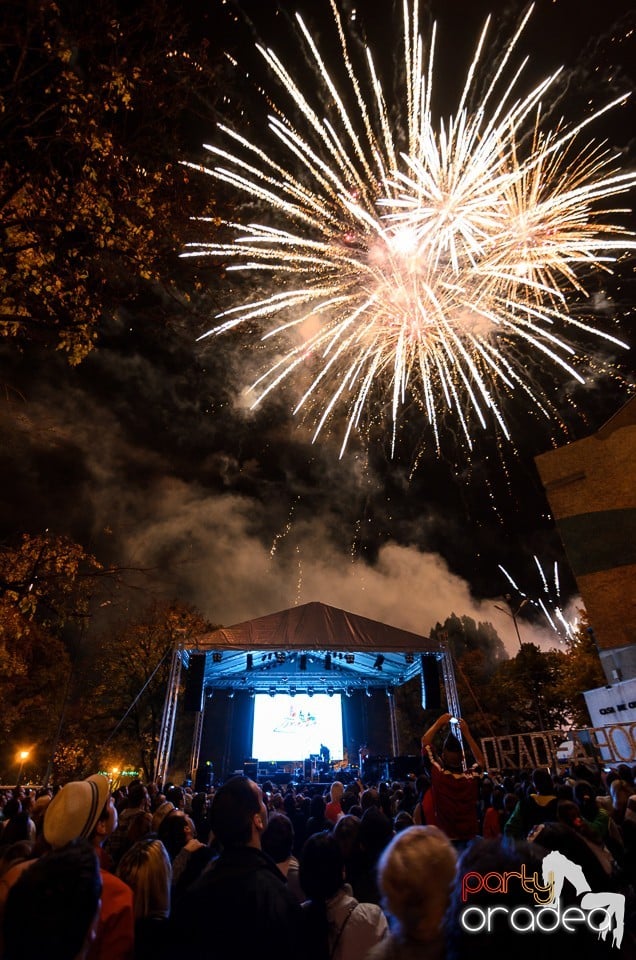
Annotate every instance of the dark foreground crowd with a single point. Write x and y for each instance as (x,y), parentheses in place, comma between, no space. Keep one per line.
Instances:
(456,863)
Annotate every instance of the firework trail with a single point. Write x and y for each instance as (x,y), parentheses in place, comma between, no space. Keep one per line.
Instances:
(433,267)
(547,599)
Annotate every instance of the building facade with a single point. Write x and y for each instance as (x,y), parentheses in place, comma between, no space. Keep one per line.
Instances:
(591,488)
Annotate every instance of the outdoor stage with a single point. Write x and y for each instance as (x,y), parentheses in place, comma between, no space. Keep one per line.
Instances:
(285,684)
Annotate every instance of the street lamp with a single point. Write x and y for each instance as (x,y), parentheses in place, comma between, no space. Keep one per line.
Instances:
(22,756)
(513,614)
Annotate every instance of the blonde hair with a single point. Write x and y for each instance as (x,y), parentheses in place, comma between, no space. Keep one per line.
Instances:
(415,875)
(147,870)
(336,791)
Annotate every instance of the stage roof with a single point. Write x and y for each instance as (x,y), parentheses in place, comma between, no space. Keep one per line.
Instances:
(312,648)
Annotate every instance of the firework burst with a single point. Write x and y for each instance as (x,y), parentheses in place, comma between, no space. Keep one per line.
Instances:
(433,266)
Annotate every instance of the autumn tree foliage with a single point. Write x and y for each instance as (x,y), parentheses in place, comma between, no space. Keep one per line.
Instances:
(478,653)
(47,580)
(582,670)
(119,703)
(46,585)
(533,690)
(96,101)
(465,635)
(528,690)
(77,694)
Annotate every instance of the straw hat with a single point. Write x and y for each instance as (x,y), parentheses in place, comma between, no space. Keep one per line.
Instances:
(75,810)
(161,813)
(39,807)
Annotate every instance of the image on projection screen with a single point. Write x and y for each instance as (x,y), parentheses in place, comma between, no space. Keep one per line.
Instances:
(294,728)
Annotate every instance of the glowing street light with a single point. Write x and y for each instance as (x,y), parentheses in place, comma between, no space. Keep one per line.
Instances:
(23,755)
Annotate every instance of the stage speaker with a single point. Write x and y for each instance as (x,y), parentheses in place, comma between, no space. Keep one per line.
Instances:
(193,699)
(282,778)
(204,778)
(401,767)
(250,768)
(431,697)
(375,769)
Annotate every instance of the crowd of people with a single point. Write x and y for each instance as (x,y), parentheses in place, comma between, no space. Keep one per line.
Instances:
(315,871)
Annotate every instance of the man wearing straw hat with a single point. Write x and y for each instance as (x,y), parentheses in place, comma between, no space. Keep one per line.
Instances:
(85,809)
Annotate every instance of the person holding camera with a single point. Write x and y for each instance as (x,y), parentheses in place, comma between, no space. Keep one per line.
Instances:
(454,801)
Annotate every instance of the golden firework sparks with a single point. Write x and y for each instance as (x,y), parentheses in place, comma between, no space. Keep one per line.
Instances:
(429,273)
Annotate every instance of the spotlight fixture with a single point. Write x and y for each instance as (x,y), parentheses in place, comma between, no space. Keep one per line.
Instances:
(281,656)
(230,695)
(409,658)
(349,658)
(310,691)
(272,691)
(389,692)
(368,692)
(292,691)
(379,660)
(348,692)
(217,656)
(330,691)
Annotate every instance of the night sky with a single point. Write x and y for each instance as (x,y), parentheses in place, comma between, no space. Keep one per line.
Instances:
(148,454)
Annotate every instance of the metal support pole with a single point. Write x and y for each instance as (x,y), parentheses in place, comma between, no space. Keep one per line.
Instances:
(227,755)
(450,685)
(196,744)
(166,733)
(452,697)
(395,739)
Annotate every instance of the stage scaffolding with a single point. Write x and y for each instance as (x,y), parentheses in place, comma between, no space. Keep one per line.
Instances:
(166,733)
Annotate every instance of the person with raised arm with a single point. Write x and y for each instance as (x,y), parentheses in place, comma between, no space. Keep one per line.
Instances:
(454,797)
